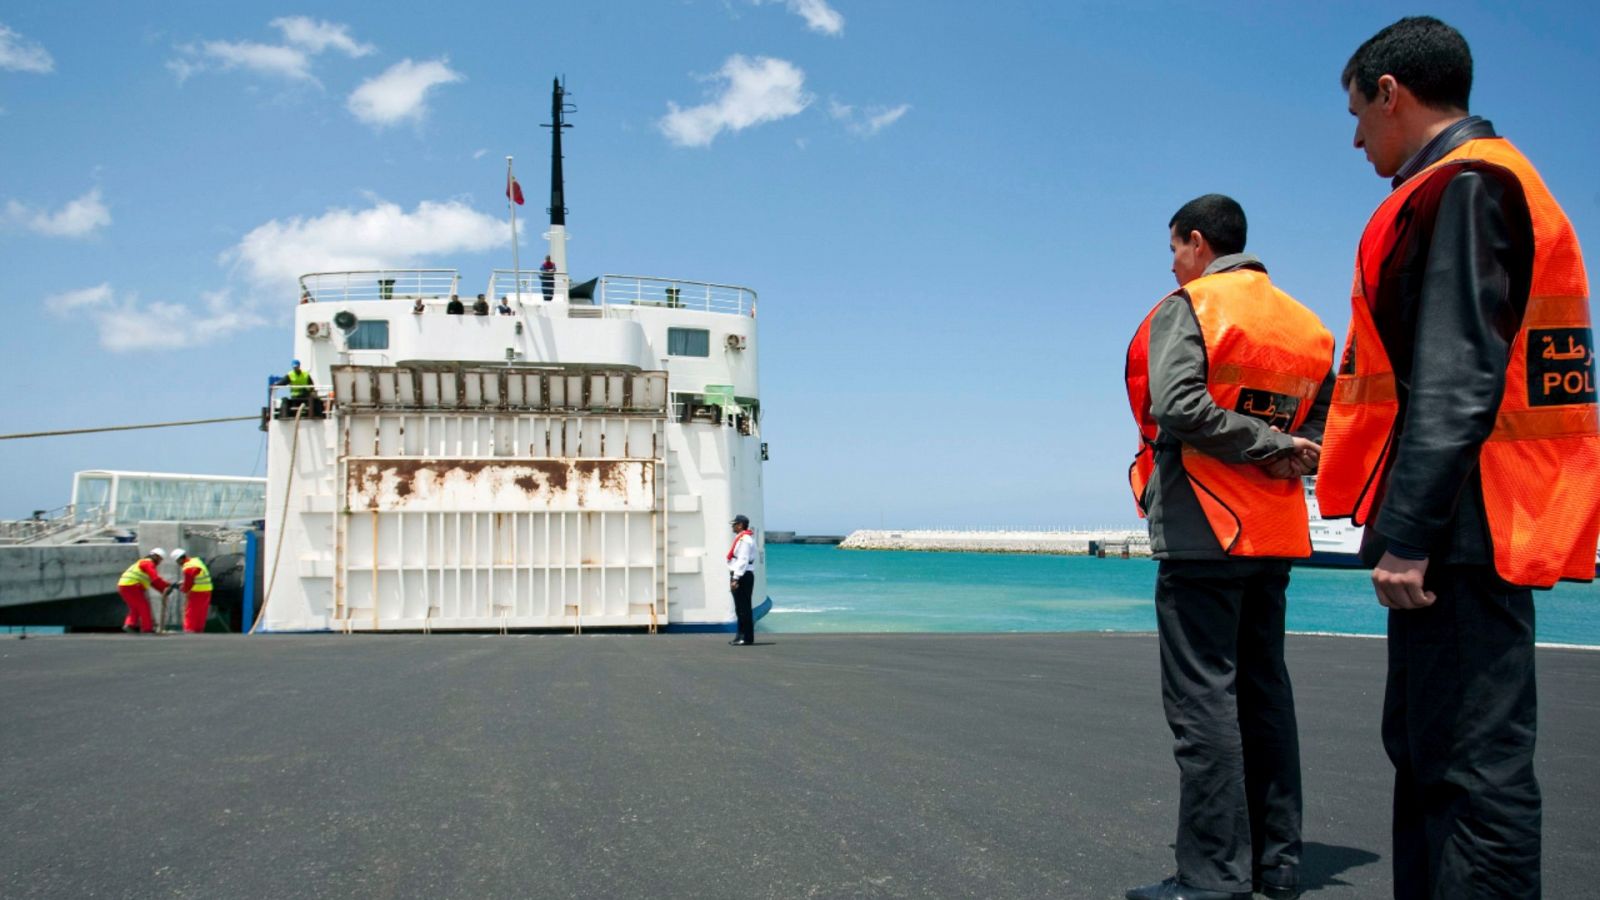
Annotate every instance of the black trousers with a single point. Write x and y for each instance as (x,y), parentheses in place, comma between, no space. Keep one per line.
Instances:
(741,606)
(1460,715)
(1230,706)
(289,404)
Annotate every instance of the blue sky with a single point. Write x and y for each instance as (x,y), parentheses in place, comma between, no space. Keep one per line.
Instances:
(954,213)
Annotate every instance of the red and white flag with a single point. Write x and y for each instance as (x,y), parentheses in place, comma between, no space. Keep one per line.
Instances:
(513,190)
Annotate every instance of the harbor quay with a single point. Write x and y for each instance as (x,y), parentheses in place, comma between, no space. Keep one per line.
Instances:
(632,765)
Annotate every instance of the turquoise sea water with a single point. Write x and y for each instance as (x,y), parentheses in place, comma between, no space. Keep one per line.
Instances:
(824,589)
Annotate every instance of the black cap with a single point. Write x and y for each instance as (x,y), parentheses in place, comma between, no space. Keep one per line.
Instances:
(742,521)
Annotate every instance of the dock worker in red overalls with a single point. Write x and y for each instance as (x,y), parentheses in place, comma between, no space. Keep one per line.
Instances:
(135,581)
(196,588)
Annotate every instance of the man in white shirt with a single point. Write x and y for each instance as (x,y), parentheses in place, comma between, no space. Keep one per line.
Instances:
(742,579)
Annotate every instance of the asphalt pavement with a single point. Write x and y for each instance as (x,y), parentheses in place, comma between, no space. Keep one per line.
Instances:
(623,766)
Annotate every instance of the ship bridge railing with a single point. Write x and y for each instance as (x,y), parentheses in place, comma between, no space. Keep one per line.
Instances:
(702,296)
(530,283)
(379,284)
(626,290)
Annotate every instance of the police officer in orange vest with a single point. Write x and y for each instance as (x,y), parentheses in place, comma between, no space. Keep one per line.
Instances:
(1229,380)
(1463,434)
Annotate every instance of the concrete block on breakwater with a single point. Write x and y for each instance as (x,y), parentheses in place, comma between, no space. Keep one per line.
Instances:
(1063,543)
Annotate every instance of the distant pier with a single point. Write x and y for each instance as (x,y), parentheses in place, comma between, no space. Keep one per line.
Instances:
(789,537)
(1114,543)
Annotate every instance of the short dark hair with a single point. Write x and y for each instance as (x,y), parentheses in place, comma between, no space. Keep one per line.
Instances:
(1218,217)
(1429,57)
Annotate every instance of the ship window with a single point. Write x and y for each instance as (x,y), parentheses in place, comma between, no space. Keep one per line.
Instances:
(688,342)
(370,334)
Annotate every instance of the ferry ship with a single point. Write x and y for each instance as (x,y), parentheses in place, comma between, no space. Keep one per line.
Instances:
(570,460)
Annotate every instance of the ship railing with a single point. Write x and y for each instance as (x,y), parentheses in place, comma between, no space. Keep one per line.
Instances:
(379,284)
(530,283)
(702,296)
(282,402)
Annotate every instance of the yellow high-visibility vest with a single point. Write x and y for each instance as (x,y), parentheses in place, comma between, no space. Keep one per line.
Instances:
(134,575)
(202,577)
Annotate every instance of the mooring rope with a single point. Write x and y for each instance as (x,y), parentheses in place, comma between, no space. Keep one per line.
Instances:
(39,434)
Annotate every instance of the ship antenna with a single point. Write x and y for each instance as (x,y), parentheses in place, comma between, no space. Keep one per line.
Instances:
(559,107)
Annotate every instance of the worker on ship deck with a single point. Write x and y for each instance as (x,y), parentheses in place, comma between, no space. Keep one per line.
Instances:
(136,581)
(1229,379)
(301,392)
(196,590)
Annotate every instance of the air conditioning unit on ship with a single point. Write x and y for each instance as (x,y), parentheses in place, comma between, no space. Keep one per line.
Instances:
(319,331)
(735,342)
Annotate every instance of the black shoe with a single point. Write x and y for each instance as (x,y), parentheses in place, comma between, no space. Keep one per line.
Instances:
(1173,889)
(1279,882)
(739,642)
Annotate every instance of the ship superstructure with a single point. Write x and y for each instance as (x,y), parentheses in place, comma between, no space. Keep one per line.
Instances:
(572,462)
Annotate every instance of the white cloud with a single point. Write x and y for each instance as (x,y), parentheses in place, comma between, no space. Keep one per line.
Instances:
(79,218)
(315,37)
(126,324)
(183,68)
(879,118)
(18,54)
(263,59)
(274,254)
(401,92)
(271,257)
(756,90)
(869,120)
(70,300)
(303,37)
(819,16)
(480,152)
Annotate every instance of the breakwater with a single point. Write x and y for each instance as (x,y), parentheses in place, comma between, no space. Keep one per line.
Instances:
(789,537)
(1061,543)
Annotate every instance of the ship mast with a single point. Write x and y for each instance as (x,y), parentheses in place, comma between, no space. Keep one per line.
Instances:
(558,208)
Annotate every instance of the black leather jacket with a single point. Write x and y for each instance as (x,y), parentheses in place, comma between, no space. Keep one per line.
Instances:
(1449,302)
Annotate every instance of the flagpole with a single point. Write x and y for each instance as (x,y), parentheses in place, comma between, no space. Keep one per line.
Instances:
(516,252)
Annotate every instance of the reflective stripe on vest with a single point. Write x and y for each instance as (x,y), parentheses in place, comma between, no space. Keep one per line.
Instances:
(202,577)
(134,575)
(300,383)
(1266,357)
(1540,466)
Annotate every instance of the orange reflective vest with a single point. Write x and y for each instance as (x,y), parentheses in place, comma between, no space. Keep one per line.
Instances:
(1540,466)
(1266,357)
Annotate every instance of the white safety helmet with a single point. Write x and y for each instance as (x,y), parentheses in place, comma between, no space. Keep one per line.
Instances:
(157,551)
(177,553)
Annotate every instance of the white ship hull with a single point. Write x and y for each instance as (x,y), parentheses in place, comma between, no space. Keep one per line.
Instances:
(570,466)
